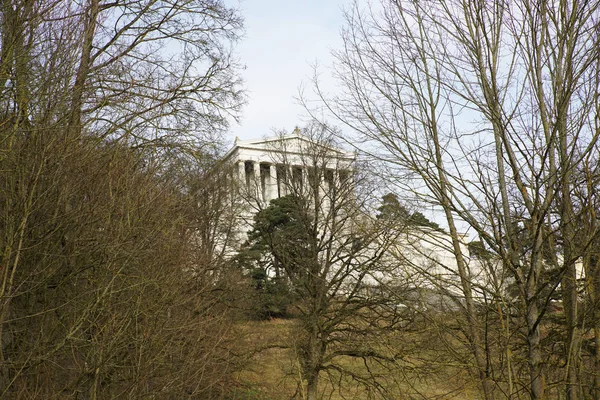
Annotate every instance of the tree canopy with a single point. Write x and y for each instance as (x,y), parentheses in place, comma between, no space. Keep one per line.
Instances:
(392,209)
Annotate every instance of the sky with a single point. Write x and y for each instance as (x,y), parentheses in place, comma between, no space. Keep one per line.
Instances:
(284,40)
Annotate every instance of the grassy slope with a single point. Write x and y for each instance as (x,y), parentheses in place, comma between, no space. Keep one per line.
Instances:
(273,372)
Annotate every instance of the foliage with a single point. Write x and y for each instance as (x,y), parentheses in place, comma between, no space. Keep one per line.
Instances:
(105,291)
(488,112)
(477,249)
(281,228)
(278,233)
(392,209)
(320,241)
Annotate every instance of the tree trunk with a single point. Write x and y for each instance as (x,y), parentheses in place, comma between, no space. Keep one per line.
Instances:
(473,322)
(592,272)
(534,352)
(84,67)
(597,355)
(312,385)
(573,332)
(314,355)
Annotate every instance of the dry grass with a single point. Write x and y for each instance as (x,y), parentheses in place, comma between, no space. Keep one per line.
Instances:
(273,372)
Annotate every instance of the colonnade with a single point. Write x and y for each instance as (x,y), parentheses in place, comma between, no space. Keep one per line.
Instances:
(261,176)
(269,181)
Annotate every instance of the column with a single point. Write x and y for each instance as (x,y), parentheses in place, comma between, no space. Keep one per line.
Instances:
(291,180)
(272,184)
(257,186)
(282,182)
(325,194)
(242,174)
(322,183)
(336,179)
(306,184)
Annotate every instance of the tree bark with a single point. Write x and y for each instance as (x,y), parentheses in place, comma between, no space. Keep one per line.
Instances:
(312,383)
(84,66)
(534,352)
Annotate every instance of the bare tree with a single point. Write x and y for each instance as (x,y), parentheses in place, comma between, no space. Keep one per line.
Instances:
(486,110)
(136,69)
(96,294)
(112,295)
(322,240)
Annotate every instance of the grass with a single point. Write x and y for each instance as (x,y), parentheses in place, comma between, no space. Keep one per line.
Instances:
(273,372)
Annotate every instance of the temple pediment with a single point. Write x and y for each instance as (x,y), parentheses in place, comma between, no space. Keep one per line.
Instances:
(293,146)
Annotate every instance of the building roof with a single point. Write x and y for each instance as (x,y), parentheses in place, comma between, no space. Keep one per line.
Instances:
(294,143)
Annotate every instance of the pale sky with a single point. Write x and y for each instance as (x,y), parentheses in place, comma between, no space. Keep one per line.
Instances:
(284,39)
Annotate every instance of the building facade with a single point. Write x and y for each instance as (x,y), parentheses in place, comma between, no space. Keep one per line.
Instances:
(274,167)
(270,168)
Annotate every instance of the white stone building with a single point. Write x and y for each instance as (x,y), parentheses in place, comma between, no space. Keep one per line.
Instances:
(266,166)
(269,168)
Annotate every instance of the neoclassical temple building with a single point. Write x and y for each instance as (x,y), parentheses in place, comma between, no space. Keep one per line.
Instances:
(420,257)
(274,167)
(269,168)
